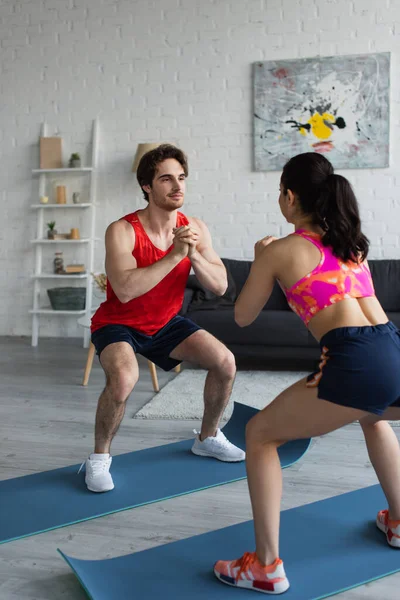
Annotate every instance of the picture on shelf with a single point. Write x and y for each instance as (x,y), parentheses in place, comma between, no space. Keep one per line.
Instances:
(50,152)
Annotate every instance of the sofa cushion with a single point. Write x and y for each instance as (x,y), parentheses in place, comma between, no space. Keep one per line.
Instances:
(239,269)
(271,328)
(203,299)
(394,317)
(187,298)
(385,274)
(386,278)
(277,300)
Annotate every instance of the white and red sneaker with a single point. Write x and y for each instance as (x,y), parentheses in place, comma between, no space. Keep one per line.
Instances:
(247,572)
(391,528)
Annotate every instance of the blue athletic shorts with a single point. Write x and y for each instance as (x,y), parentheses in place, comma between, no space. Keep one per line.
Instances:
(156,348)
(360,367)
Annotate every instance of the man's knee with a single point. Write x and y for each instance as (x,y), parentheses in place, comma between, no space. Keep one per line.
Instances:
(121,383)
(226,363)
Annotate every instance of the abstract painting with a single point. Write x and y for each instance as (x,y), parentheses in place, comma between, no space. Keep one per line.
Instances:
(337,105)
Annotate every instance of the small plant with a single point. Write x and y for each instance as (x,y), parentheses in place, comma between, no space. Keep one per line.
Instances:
(75,160)
(51,232)
(101,281)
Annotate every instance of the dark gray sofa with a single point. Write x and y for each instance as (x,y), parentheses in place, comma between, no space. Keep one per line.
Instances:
(277,334)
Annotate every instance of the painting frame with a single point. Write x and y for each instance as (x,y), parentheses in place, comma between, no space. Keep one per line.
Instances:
(335,105)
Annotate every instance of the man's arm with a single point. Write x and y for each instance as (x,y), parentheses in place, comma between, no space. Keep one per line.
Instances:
(126,279)
(207,265)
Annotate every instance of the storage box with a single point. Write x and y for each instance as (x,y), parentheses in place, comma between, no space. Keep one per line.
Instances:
(67,298)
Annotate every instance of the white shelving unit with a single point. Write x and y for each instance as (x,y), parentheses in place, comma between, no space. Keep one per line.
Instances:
(39,277)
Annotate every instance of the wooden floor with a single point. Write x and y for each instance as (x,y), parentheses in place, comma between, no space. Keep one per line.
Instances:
(46,421)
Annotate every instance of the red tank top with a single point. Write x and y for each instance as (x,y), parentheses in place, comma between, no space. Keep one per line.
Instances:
(151,311)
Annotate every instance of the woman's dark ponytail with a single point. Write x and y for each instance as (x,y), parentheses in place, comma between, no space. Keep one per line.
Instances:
(330,201)
(336,212)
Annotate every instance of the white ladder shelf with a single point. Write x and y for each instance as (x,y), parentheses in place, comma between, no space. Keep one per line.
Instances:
(88,243)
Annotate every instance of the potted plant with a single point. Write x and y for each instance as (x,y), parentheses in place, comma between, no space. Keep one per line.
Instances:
(75,160)
(101,281)
(51,232)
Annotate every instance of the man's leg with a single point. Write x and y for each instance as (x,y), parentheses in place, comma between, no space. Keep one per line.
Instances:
(209,353)
(122,372)
(121,369)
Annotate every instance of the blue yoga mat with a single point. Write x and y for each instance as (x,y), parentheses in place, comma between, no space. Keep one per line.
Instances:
(59,497)
(327,547)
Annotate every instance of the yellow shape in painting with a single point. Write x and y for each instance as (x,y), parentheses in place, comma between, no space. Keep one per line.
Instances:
(318,127)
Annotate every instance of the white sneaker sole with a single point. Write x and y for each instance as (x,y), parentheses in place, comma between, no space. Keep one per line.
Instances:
(211,455)
(280,587)
(395,541)
(97,491)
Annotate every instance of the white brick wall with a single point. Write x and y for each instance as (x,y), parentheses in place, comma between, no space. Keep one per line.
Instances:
(169,70)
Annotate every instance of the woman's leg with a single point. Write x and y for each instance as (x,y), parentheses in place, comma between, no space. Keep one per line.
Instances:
(295,414)
(384,453)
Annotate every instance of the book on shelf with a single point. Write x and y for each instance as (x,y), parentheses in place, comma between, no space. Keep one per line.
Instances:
(61,236)
(75,269)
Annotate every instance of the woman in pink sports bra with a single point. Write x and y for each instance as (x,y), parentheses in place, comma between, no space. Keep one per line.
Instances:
(323,271)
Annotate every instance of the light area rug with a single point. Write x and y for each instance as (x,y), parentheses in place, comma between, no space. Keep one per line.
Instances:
(182,397)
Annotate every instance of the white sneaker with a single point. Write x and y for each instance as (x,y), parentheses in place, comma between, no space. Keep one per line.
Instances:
(217,447)
(98,477)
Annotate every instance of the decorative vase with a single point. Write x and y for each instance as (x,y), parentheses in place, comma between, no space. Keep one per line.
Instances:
(74,234)
(58,263)
(76,197)
(51,233)
(61,194)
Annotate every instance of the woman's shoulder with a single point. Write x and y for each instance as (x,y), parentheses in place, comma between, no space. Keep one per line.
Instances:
(289,241)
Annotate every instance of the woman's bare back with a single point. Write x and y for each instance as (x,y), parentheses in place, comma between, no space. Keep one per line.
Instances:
(298,257)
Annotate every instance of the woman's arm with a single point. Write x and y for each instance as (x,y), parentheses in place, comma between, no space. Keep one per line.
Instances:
(260,282)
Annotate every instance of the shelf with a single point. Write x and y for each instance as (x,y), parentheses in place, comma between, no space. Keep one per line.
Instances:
(54,276)
(63,170)
(83,205)
(50,311)
(42,274)
(44,241)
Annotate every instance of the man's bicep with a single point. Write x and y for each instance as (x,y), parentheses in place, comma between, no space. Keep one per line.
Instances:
(119,246)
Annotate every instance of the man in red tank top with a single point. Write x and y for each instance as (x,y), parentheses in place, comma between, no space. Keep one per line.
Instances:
(149,254)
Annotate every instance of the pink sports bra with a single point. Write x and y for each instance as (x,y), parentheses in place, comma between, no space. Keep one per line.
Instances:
(332,280)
